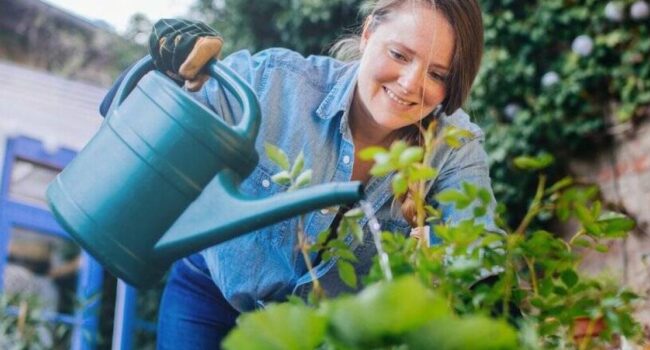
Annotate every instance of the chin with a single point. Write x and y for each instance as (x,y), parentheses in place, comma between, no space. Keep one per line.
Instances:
(394,123)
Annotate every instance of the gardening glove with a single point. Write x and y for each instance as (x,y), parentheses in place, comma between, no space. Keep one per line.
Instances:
(181,48)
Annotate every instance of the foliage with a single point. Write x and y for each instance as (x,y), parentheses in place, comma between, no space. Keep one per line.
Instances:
(556,75)
(24,324)
(477,289)
(308,27)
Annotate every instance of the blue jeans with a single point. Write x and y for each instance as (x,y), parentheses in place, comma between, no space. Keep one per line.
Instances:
(193,313)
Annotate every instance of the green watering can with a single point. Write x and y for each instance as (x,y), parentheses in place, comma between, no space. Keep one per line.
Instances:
(160,179)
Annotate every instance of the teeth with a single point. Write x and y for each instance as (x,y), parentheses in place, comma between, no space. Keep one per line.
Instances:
(396,99)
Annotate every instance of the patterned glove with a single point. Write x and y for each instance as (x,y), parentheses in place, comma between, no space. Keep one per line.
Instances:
(180,48)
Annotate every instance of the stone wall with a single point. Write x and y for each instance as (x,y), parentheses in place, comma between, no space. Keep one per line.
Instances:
(623,173)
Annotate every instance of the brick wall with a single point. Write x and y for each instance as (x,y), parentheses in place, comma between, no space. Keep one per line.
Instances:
(623,173)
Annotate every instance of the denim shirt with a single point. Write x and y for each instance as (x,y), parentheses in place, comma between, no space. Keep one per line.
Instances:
(305,104)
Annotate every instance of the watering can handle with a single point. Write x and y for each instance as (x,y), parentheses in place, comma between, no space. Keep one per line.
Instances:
(248,126)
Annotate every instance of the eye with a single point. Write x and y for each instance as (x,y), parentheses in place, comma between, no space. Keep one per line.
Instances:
(437,76)
(397,55)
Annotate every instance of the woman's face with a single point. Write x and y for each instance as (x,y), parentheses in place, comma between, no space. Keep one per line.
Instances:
(403,67)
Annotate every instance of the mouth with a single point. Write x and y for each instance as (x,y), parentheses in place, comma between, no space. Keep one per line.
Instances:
(397,99)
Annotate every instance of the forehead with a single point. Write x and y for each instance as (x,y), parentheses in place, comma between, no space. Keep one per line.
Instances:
(420,29)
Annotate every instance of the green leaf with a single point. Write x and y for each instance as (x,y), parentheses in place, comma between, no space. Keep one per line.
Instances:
(356,231)
(601,248)
(337,244)
(471,332)
(534,163)
(484,195)
(479,212)
(470,189)
(399,184)
(303,180)
(595,210)
(581,242)
(282,178)
(347,273)
(276,327)
(560,185)
(322,236)
(381,168)
(569,277)
(586,219)
(433,212)
(421,172)
(277,156)
(355,213)
(453,135)
(298,164)
(396,148)
(345,254)
(410,155)
(614,225)
(450,196)
(382,311)
(369,153)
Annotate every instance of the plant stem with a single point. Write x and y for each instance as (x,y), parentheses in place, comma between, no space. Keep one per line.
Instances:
(572,240)
(430,143)
(535,206)
(533,275)
(304,247)
(22,318)
(508,280)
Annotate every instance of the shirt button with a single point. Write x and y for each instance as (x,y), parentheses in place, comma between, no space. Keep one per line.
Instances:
(266,183)
(324,211)
(346,159)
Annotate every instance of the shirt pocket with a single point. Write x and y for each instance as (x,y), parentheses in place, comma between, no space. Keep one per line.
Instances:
(257,186)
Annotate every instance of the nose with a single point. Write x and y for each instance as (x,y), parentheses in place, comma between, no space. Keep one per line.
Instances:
(410,79)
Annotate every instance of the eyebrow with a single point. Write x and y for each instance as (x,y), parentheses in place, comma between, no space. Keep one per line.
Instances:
(413,53)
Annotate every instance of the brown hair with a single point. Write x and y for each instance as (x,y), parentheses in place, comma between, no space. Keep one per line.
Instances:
(464,16)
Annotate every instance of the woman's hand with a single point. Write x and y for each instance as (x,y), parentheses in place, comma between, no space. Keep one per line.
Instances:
(181,48)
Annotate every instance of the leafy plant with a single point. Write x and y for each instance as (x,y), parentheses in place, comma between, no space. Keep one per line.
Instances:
(24,324)
(477,289)
(556,76)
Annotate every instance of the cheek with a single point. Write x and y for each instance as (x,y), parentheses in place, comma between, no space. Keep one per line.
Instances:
(434,95)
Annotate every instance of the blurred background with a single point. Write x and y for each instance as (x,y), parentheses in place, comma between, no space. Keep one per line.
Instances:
(566,77)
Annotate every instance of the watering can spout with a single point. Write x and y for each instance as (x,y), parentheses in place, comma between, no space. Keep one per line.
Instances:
(221,212)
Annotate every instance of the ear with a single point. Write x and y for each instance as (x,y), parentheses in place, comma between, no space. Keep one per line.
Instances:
(365,33)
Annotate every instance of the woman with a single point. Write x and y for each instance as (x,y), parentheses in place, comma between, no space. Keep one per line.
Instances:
(416,63)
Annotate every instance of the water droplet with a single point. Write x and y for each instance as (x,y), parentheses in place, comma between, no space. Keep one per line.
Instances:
(375,230)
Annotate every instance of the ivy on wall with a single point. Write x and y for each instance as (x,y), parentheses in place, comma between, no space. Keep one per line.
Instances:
(555,76)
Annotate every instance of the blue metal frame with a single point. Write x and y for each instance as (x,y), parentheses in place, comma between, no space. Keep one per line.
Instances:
(15,214)
(126,319)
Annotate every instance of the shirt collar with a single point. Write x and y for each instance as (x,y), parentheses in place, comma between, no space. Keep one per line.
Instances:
(339,98)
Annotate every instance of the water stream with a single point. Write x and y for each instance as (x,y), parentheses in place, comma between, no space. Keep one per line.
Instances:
(375,230)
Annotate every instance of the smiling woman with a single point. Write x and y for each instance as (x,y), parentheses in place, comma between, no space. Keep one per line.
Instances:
(405,61)
(415,63)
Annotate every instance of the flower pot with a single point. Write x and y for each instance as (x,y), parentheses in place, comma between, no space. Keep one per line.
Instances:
(586,327)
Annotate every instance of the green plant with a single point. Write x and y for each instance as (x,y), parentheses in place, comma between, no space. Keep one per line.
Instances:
(477,289)
(555,76)
(24,324)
